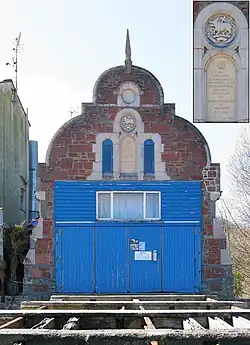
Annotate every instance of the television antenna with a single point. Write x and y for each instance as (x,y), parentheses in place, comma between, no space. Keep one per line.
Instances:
(73,112)
(14,62)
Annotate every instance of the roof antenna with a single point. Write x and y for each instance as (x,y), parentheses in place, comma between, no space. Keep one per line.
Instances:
(15,59)
(128,61)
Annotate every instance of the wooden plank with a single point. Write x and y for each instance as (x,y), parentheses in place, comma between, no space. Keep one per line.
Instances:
(47,323)
(149,324)
(241,322)
(208,299)
(191,323)
(234,307)
(16,323)
(72,323)
(218,323)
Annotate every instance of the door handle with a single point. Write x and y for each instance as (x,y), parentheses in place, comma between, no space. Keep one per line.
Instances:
(154,258)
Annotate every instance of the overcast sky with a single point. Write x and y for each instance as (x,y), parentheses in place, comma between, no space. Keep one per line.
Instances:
(67,44)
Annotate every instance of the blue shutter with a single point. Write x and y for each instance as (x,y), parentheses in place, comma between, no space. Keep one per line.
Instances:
(107,157)
(149,157)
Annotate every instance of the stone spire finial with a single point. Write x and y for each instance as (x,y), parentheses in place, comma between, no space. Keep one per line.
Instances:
(128,62)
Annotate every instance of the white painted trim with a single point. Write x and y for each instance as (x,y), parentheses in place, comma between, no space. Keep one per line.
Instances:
(75,222)
(165,221)
(182,221)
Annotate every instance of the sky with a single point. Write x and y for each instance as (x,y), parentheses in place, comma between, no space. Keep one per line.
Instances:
(67,44)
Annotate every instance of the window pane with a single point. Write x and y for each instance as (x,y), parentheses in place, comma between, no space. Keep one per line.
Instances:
(152,205)
(128,206)
(149,157)
(107,157)
(104,205)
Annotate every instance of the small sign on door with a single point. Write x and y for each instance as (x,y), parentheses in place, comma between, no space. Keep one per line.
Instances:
(143,256)
(142,246)
(134,244)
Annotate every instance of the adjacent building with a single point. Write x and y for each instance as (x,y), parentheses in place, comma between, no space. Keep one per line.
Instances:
(14,155)
(128,195)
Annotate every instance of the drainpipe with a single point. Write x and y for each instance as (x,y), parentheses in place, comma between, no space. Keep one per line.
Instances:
(27,177)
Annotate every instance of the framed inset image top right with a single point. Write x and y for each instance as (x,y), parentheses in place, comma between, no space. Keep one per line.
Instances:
(221,61)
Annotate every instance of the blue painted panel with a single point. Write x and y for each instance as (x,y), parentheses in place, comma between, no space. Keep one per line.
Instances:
(145,275)
(107,157)
(75,259)
(180,259)
(149,157)
(58,259)
(111,259)
(33,160)
(76,200)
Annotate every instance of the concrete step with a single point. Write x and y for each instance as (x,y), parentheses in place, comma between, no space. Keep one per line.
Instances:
(130,297)
(133,305)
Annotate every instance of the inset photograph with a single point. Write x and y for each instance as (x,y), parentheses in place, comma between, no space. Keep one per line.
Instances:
(221,61)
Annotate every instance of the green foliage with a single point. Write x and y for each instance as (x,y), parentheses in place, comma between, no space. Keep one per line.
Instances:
(16,246)
(238,284)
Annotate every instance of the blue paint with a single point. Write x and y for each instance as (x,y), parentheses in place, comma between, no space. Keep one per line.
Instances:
(145,275)
(75,259)
(149,157)
(180,259)
(33,160)
(76,200)
(111,260)
(95,256)
(107,157)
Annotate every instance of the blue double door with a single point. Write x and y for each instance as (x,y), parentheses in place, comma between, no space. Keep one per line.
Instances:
(127,259)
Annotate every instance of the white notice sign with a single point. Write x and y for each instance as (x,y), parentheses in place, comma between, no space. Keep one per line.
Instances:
(143,255)
(142,246)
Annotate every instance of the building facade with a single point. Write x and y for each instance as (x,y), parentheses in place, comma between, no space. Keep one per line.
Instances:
(128,195)
(14,156)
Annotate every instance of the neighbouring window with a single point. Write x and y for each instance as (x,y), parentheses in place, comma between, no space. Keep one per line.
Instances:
(149,157)
(107,157)
(128,205)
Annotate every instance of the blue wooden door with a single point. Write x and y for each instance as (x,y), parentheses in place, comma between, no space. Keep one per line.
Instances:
(145,257)
(181,262)
(111,259)
(75,259)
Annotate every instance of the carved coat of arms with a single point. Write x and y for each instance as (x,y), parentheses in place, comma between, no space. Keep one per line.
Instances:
(220,29)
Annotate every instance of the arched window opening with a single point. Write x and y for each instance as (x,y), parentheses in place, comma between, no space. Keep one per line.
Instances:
(107,157)
(149,157)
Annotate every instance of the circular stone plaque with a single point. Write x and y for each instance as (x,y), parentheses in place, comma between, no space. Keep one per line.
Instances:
(128,96)
(128,123)
(220,29)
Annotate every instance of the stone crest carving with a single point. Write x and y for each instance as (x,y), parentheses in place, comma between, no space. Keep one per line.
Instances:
(128,123)
(220,29)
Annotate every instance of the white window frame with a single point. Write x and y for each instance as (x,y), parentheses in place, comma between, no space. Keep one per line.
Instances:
(128,192)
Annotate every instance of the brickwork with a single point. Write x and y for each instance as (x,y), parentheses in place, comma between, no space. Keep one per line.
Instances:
(71,157)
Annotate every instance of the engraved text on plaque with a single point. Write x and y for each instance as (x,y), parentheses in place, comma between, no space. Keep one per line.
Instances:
(128,155)
(221,90)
